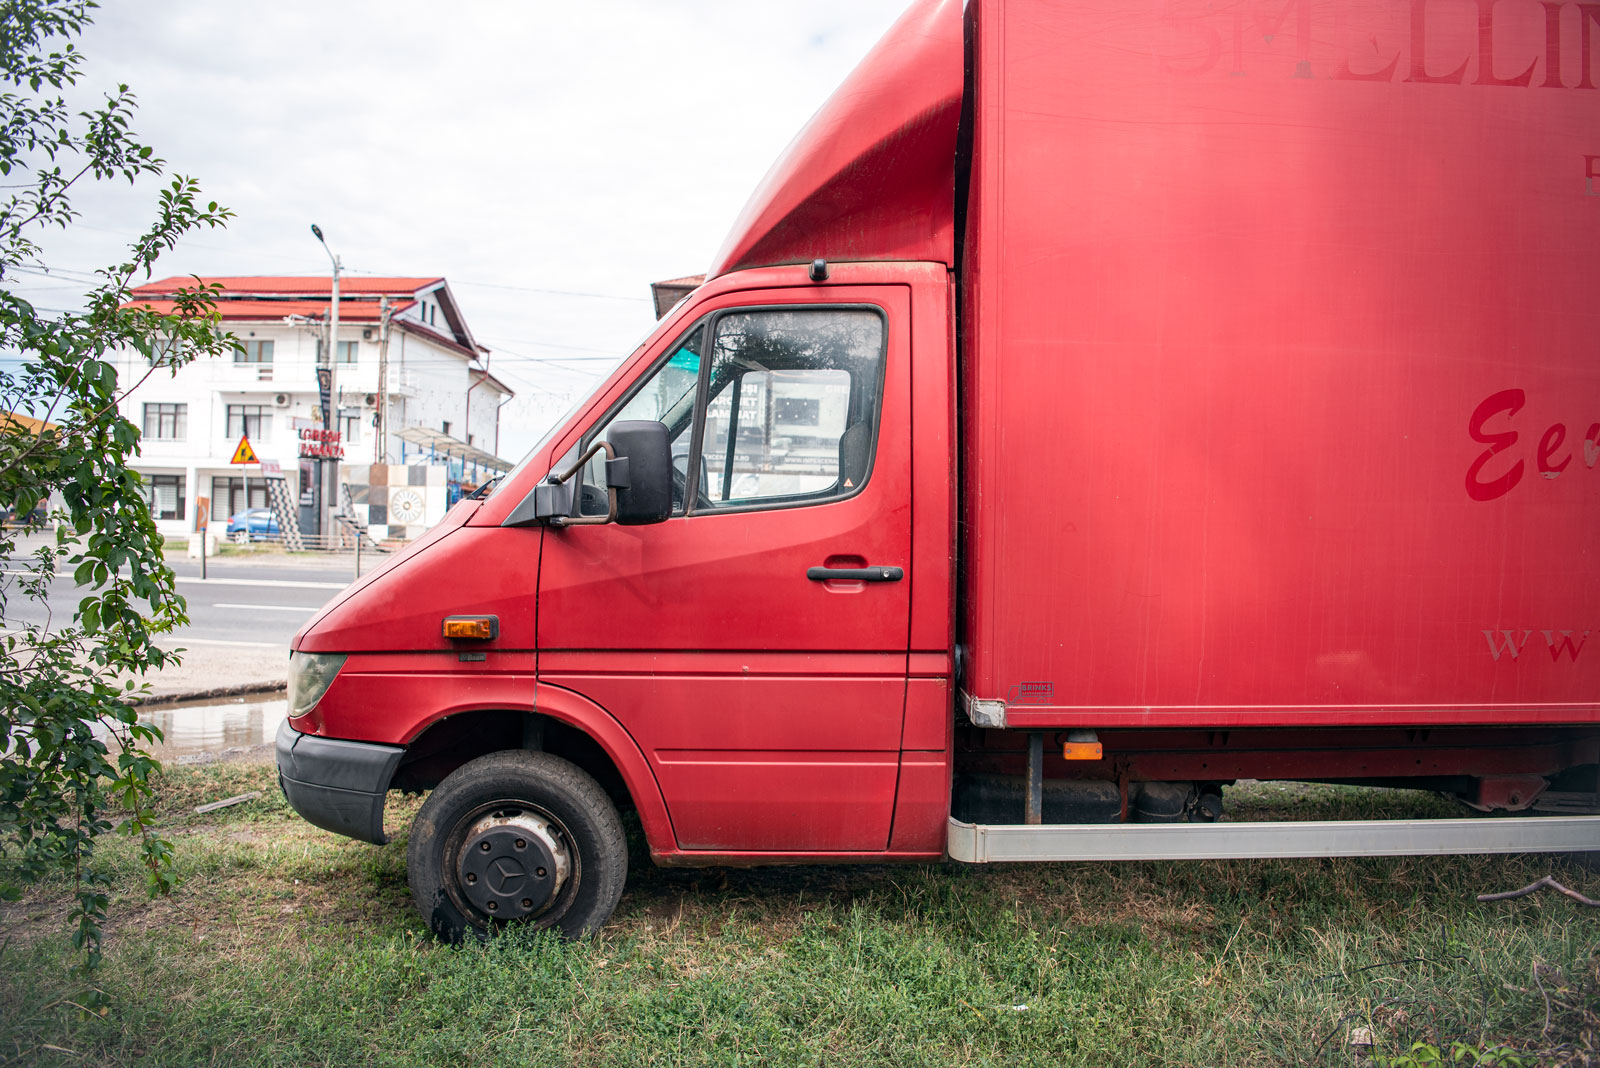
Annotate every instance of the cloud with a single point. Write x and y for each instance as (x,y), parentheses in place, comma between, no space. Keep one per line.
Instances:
(588,147)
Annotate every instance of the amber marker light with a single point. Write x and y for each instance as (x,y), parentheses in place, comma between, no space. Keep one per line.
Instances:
(1081,745)
(473,628)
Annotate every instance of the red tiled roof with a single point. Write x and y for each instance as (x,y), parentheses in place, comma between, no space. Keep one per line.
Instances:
(350,311)
(267,298)
(264,285)
(692,280)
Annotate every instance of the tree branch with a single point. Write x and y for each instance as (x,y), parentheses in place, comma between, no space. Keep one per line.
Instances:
(1547,881)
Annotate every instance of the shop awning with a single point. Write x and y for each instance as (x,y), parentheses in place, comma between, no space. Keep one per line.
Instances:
(441,444)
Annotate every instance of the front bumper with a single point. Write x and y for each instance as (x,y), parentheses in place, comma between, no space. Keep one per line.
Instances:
(336,785)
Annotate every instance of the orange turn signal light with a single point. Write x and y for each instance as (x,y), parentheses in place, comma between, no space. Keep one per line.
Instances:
(1081,751)
(475,628)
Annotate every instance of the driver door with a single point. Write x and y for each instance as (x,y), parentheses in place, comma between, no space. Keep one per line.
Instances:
(767,695)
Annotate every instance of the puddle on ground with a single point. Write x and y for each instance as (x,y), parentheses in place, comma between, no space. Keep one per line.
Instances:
(222,729)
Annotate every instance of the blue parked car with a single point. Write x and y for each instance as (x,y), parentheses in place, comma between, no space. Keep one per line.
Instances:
(9,518)
(252,524)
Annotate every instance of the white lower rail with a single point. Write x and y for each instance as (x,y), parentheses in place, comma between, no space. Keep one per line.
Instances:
(978,843)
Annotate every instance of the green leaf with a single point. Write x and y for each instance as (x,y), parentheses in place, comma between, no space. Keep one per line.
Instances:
(57,780)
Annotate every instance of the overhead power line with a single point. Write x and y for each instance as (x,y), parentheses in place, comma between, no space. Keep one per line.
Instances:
(523,289)
(55,272)
(554,292)
(606,354)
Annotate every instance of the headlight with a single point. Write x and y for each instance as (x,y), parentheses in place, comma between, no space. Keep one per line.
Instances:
(310,675)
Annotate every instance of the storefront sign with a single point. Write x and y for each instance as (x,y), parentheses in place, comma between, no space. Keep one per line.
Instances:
(321,445)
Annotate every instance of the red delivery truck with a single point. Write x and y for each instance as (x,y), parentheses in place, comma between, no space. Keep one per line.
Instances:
(1097,404)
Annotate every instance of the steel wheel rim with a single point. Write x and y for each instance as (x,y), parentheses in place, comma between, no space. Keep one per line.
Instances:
(462,832)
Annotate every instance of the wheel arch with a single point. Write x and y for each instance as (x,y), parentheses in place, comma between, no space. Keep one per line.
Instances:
(557,721)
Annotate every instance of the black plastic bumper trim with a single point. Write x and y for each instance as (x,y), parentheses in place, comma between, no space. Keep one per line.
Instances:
(336,785)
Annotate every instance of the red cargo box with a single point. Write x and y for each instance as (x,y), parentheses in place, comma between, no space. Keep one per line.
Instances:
(1282,363)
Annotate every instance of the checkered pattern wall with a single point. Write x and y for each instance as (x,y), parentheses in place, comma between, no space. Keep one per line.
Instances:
(396,502)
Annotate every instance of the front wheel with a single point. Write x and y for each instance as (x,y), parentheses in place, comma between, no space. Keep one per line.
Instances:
(516,837)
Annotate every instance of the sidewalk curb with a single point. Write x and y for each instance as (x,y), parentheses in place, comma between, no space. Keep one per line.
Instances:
(156,699)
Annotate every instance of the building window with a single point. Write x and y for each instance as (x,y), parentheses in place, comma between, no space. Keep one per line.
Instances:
(164,495)
(166,422)
(350,429)
(446,426)
(254,421)
(253,352)
(228,496)
(166,352)
(346,352)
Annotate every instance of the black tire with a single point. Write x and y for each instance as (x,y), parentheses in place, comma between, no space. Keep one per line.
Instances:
(554,815)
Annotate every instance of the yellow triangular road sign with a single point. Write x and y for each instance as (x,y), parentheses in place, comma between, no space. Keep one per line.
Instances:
(244,454)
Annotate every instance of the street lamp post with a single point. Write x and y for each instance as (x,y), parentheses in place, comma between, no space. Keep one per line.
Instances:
(330,465)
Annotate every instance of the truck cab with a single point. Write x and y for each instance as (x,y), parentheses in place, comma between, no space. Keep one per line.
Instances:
(761,671)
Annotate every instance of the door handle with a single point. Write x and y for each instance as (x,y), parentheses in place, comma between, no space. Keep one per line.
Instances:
(859,574)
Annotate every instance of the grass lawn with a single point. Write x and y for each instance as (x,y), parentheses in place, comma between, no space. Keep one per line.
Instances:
(285,945)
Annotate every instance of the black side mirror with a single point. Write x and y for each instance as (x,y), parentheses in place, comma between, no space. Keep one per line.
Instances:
(638,482)
(640,471)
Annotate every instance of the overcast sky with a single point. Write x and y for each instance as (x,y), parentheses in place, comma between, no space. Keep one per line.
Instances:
(550,160)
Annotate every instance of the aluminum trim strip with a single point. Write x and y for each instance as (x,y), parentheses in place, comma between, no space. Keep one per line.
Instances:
(991,843)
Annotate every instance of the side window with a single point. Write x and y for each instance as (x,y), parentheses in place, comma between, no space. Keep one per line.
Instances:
(790,414)
(793,412)
(667,396)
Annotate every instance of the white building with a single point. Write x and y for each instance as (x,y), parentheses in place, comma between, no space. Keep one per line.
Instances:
(437,378)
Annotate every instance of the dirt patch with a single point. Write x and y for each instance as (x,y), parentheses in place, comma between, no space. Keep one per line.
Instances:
(34,919)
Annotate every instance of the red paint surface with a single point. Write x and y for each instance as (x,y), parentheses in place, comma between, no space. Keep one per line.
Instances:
(928,714)
(922,804)
(1258,304)
(445,572)
(770,706)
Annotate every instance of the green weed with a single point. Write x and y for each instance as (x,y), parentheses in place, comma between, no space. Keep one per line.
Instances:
(286,946)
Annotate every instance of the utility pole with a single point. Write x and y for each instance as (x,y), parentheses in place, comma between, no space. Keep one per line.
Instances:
(330,479)
(380,450)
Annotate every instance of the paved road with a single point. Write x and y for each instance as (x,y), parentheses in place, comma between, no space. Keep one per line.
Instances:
(242,615)
(239,603)
(254,604)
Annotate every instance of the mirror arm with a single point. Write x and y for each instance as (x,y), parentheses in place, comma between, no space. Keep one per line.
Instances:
(611,491)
